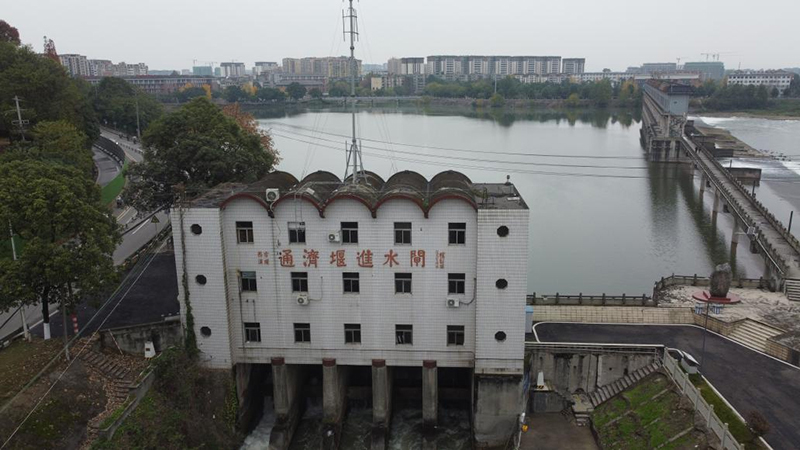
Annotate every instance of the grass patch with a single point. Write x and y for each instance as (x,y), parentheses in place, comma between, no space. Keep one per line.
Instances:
(738,428)
(112,190)
(609,410)
(645,391)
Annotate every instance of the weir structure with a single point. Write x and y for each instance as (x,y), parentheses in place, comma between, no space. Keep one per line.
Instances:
(667,137)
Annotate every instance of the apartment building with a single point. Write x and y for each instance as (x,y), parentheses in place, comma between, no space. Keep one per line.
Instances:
(779,79)
(76,65)
(573,66)
(233,69)
(333,67)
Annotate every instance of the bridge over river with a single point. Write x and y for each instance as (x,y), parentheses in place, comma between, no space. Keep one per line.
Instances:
(668,137)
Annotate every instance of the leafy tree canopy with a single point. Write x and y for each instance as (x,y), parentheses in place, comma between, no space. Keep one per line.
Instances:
(47,91)
(70,237)
(296,91)
(116,101)
(8,33)
(59,142)
(198,147)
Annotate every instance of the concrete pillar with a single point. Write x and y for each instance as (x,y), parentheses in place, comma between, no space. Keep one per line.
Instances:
(430,394)
(381,403)
(334,402)
(287,380)
(498,403)
(734,238)
(702,184)
(715,207)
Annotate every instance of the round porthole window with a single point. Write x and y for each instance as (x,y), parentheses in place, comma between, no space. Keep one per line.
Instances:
(201,279)
(502,231)
(501,283)
(205,331)
(196,229)
(500,336)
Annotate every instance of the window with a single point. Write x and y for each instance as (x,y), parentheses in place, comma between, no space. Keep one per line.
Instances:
(457,233)
(302,332)
(402,232)
(200,279)
(500,336)
(404,334)
(402,283)
(196,229)
(455,335)
(248,281)
(297,232)
(349,232)
(299,281)
(502,231)
(455,283)
(244,232)
(352,333)
(252,332)
(205,331)
(350,282)
(501,283)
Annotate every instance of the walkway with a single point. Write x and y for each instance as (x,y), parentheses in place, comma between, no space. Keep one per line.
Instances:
(747,379)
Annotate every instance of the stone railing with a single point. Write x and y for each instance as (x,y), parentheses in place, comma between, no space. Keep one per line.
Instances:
(717,426)
(590,300)
(694,280)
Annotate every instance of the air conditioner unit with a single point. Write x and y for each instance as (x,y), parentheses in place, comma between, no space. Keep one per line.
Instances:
(453,303)
(334,237)
(273,195)
(302,300)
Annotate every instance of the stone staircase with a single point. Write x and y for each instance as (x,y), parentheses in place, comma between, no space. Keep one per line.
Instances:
(602,394)
(107,367)
(792,287)
(754,334)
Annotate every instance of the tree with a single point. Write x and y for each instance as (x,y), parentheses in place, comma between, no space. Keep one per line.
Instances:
(497,101)
(9,33)
(600,93)
(58,142)
(198,147)
(116,102)
(296,91)
(69,236)
(234,94)
(573,100)
(267,94)
(315,93)
(46,89)
(249,125)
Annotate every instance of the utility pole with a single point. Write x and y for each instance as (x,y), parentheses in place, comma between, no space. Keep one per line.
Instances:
(21,123)
(354,152)
(25,329)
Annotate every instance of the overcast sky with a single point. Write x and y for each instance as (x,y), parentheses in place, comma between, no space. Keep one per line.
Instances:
(615,34)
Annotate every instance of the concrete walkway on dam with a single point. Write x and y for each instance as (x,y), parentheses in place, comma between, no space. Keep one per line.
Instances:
(748,379)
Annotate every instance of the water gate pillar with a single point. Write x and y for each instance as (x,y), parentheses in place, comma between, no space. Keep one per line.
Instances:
(287,380)
(334,393)
(498,403)
(430,394)
(381,403)
(715,208)
(734,237)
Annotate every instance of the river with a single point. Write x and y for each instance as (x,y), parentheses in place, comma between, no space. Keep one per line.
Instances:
(603,218)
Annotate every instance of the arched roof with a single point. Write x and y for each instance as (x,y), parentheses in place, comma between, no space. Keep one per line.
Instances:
(450,179)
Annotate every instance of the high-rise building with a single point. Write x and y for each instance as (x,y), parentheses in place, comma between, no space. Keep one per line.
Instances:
(659,67)
(264,68)
(233,69)
(332,67)
(710,70)
(101,68)
(573,65)
(393,66)
(465,67)
(412,66)
(76,65)
(203,71)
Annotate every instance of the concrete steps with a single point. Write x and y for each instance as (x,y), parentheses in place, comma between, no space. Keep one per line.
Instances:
(754,334)
(792,287)
(107,367)
(605,393)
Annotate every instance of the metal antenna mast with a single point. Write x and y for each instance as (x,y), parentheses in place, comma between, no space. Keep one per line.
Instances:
(20,122)
(354,152)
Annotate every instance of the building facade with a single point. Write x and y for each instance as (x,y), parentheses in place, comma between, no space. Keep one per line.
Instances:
(470,67)
(649,68)
(404,275)
(710,70)
(233,69)
(76,65)
(779,79)
(332,67)
(393,66)
(157,84)
(573,65)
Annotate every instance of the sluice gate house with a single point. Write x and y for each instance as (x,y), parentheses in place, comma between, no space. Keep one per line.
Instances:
(407,289)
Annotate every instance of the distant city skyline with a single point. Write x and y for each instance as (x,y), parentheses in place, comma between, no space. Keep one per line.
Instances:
(170,35)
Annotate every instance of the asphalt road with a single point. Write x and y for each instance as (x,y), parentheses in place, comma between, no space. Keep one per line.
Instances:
(107,168)
(748,379)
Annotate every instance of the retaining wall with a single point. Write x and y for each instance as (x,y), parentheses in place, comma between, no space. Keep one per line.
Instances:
(131,340)
(611,314)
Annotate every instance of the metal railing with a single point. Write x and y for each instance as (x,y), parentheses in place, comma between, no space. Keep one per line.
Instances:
(591,300)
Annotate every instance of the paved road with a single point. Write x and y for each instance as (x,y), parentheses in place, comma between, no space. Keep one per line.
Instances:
(747,379)
(107,168)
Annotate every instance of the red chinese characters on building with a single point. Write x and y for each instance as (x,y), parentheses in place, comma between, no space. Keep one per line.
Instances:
(286,258)
(418,258)
(337,257)
(391,259)
(439,259)
(263,258)
(310,258)
(364,258)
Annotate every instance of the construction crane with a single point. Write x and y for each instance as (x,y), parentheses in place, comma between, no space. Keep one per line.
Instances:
(679,58)
(715,56)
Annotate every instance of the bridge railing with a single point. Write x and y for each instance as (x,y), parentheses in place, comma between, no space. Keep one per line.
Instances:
(590,300)
(111,148)
(694,280)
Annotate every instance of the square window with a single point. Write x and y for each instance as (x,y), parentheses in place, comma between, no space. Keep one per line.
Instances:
(455,335)
(299,281)
(302,332)
(297,232)
(402,283)
(352,333)
(248,281)
(244,232)
(252,332)
(455,283)
(404,334)
(350,280)
(402,232)
(457,233)
(349,232)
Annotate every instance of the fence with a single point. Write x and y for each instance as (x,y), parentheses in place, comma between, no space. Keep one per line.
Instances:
(713,422)
(694,280)
(590,300)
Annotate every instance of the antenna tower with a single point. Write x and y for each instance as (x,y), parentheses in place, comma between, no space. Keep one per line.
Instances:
(354,160)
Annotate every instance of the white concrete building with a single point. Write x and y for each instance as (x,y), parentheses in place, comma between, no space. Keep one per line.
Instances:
(76,65)
(406,276)
(573,65)
(779,79)
(233,69)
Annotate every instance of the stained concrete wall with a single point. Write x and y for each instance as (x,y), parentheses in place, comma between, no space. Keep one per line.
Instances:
(499,400)
(566,372)
(132,339)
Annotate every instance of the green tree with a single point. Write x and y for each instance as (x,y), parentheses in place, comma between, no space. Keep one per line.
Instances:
(47,91)
(497,101)
(58,142)
(116,102)
(296,91)
(234,94)
(267,94)
(573,100)
(794,87)
(315,93)
(600,93)
(197,147)
(8,33)
(69,237)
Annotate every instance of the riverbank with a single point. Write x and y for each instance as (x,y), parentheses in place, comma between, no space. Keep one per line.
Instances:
(778,109)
